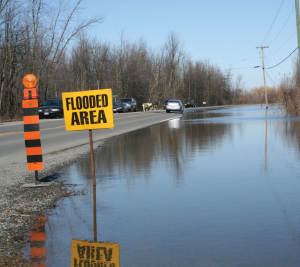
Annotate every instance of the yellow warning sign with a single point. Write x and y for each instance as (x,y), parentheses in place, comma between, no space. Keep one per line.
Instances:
(85,253)
(88,110)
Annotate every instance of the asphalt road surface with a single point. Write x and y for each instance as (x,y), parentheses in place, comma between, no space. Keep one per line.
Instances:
(54,136)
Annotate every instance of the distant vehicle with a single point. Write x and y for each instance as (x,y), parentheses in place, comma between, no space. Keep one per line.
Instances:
(165,103)
(131,103)
(120,107)
(174,105)
(190,103)
(52,108)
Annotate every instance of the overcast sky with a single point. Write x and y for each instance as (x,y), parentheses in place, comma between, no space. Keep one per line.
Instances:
(224,32)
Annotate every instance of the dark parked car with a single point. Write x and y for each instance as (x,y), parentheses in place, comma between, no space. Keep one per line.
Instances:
(165,103)
(131,103)
(174,105)
(120,107)
(190,103)
(52,108)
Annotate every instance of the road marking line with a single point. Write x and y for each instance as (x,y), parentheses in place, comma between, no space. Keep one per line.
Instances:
(133,116)
(64,125)
(53,128)
(40,130)
(11,133)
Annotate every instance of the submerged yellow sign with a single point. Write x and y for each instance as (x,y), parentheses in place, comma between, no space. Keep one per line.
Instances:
(85,253)
(88,110)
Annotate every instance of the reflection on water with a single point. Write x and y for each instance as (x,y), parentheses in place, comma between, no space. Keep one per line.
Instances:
(172,143)
(266,142)
(94,254)
(37,244)
(216,188)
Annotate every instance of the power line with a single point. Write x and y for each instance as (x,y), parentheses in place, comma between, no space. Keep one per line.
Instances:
(283,26)
(271,79)
(282,60)
(273,20)
(228,63)
(234,56)
(274,58)
(285,42)
(274,76)
(284,74)
(244,68)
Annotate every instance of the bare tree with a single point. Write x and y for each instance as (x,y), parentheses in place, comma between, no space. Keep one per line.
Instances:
(56,36)
(8,11)
(40,44)
(173,56)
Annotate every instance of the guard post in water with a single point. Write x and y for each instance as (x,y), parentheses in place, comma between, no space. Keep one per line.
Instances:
(88,110)
(32,125)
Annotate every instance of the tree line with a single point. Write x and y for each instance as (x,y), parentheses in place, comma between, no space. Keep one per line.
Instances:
(34,37)
(134,70)
(49,40)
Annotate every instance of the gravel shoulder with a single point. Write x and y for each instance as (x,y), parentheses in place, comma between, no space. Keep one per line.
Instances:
(21,207)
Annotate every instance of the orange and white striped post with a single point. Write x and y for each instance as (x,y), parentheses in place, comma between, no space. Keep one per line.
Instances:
(32,125)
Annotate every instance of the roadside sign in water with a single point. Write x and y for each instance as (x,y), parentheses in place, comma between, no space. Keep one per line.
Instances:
(88,110)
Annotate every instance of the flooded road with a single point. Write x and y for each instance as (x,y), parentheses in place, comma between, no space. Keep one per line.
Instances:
(213,188)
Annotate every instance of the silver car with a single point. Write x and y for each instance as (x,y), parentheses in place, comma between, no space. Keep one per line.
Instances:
(174,105)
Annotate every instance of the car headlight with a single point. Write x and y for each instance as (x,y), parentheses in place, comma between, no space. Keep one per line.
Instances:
(55,109)
(40,110)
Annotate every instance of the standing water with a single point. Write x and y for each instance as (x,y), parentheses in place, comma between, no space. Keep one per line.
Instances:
(215,188)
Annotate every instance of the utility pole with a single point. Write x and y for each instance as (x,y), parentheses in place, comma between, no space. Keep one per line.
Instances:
(284,74)
(298,28)
(263,64)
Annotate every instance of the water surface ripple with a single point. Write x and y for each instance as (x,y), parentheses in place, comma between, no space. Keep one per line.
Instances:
(214,188)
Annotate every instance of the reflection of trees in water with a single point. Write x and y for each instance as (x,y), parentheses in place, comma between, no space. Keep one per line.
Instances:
(203,134)
(290,131)
(133,155)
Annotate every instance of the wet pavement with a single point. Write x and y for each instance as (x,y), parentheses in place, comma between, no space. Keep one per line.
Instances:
(213,188)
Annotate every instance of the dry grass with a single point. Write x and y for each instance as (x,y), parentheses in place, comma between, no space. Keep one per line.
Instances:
(4,119)
(289,100)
